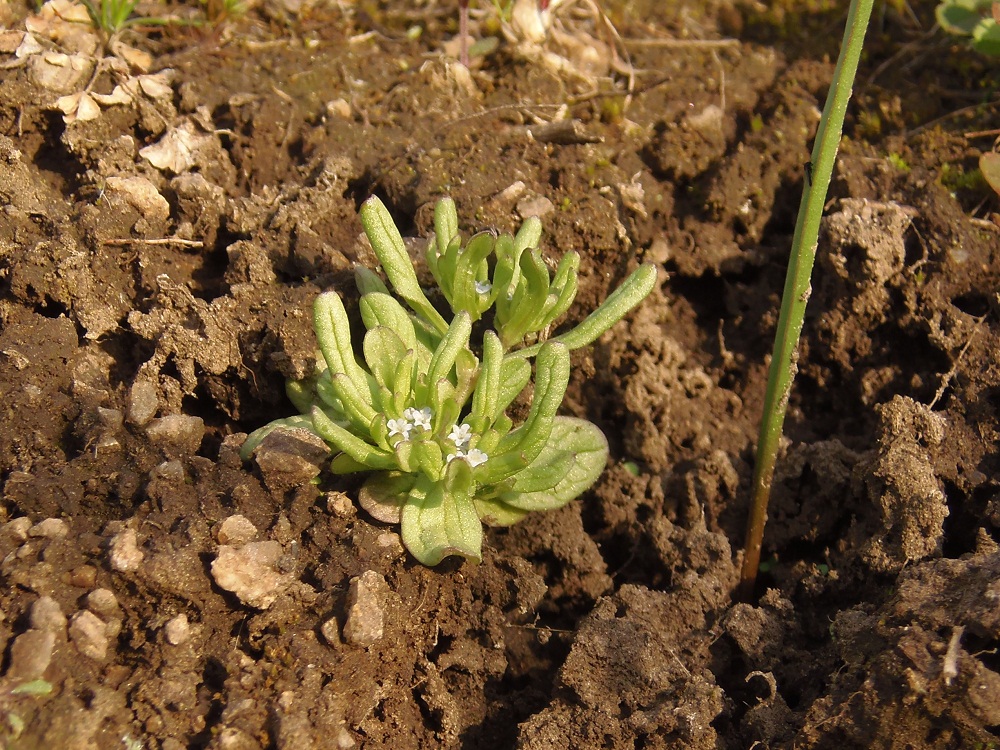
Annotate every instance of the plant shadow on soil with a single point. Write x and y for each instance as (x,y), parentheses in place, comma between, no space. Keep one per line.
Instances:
(152,304)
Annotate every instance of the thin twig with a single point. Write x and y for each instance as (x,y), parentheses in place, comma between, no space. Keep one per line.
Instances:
(683,43)
(948,376)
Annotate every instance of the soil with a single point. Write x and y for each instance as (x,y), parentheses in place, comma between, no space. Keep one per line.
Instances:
(158,261)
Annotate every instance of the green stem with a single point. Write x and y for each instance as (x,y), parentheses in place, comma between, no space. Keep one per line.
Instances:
(797,286)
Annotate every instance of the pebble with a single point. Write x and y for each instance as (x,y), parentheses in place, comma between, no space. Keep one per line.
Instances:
(177,630)
(89,634)
(83,576)
(290,458)
(125,554)
(50,528)
(330,630)
(249,572)
(168,471)
(340,505)
(46,614)
(30,655)
(365,618)
(177,434)
(18,528)
(102,602)
(235,530)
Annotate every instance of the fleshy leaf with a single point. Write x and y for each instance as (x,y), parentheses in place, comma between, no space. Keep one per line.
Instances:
(388,245)
(494,512)
(440,519)
(586,447)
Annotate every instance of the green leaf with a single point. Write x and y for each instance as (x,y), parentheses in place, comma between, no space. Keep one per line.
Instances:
(428,457)
(358,410)
(521,446)
(528,236)
(455,340)
(344,464)
(632,291)
(574,456)
(563,289)
(388,245)
(302,393)
(960,16)
(384,494)
(445,223)
(986,38)
(406,379)
(494,512)
(515,372)
(333,331)
(440,519)
(467,272)
(362,452)
(34,687)
(486,396)
(378,309)
(528,302)
(384,350)
(368,282)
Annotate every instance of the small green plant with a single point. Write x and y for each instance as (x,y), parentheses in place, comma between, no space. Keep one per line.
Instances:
(425,414)
(111,16)
(978,19)
(12,699)
(114,16)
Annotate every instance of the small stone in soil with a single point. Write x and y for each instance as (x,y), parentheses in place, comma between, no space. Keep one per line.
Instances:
(89,634)
(125,553)
(365,618)
(331,631)
(290,457)
(46,614)
(177,630)
(235,530)
(177,434)
(340,505)
(142,403)
(102,602)
(248,572)
(50,528)
(30,655)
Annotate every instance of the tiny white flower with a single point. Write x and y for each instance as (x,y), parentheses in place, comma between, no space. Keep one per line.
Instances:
(483,287)
(399,427)
(475,457)
(452,456)
(460,435)
(420,417)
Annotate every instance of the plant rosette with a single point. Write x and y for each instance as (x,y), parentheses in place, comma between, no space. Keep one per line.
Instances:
(424,415)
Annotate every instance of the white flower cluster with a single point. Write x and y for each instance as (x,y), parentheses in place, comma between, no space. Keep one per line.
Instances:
(461,435)
(420,419)
(412,419)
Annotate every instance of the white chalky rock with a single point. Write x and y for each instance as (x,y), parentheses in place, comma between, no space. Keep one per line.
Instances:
(89,634)
(46,614)
(365,601)
(249,572)
(125,553)
(235,530)
(50,528)
(177,630)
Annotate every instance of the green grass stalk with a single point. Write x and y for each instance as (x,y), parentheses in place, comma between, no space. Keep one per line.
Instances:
(784,359)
